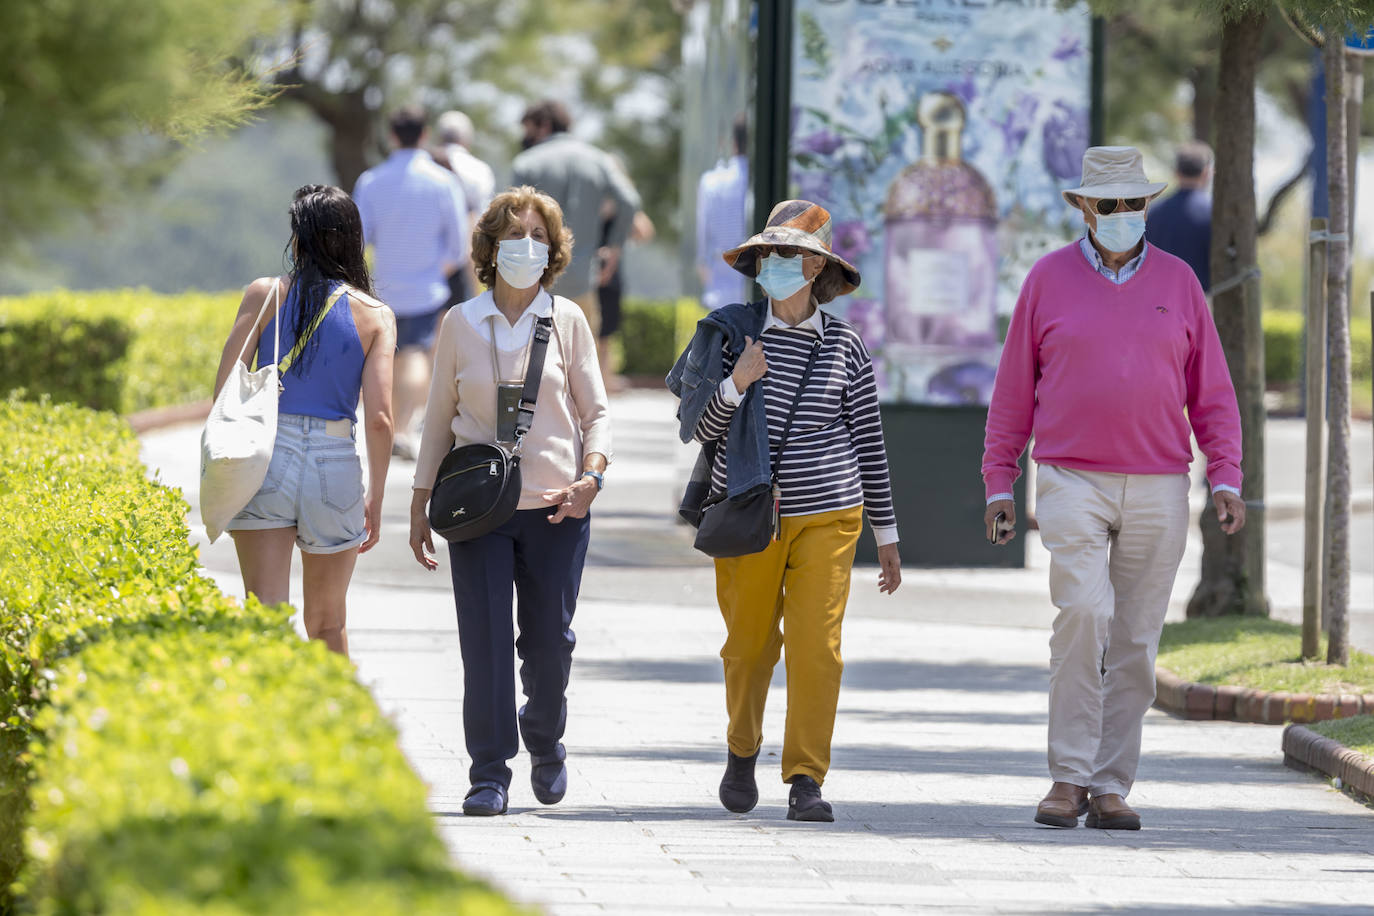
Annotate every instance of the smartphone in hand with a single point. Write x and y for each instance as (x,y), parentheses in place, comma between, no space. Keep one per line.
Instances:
(999,527)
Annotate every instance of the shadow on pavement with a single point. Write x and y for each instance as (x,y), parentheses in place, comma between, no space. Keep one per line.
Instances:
(867,674)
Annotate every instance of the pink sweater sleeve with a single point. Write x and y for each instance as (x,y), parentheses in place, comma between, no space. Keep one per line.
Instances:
(1011,412)
(1212,409)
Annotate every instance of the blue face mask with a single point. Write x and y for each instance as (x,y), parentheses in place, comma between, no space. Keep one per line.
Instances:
(1120,232)
(781,277)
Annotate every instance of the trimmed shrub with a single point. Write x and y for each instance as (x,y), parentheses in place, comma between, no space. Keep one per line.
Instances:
(1283,349)
(654,332)
(121,350)
(164,748)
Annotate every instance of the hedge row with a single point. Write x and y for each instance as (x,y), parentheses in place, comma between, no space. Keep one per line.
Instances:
(653,333)
(121,350)
(166,749)
(1283,348)
(127,350)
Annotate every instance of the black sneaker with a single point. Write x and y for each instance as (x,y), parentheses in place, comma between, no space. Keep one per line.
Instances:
(804,802)
(738,791)
(549,777)
(485,799)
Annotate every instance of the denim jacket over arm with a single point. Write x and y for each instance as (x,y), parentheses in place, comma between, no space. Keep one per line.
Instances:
(694,379)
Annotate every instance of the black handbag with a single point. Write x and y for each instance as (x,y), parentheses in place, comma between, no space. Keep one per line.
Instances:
(748,523)
(477,487)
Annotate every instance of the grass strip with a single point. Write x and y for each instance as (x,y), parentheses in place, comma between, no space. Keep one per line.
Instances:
(1259,653)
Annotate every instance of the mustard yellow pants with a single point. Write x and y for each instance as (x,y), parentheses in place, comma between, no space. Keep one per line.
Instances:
(791,594)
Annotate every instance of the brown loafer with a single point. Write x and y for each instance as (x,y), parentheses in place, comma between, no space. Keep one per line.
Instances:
(1062,806)
(1110,812)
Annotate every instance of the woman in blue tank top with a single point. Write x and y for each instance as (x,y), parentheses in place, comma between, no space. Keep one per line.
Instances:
(313,496)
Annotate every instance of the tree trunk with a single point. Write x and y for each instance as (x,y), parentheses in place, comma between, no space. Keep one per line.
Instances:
(352,126)
(1233,566)
(1204,83)
(1337,579)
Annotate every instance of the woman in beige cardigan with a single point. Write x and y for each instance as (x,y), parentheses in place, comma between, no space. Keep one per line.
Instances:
(519,247)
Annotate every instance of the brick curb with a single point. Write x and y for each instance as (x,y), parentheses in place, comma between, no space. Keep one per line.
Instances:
(144,420)
(1304,749)
(1188,700)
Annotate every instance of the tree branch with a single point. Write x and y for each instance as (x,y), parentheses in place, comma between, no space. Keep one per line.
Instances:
(1276,201)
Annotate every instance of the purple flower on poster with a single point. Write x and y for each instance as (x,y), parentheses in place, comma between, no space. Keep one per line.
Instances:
(964,89)
(1065,141)
(1016,124)
(1070,46)
(866,315)
(815,186)
(850,240)
(821,142)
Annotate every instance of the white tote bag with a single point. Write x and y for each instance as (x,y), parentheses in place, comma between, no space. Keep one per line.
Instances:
(236,446)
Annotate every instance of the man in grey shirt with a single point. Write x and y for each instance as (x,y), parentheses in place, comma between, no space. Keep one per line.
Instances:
(580,177)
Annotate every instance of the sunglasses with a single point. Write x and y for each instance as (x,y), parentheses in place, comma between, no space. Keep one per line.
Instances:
(1109,205)
(784,251)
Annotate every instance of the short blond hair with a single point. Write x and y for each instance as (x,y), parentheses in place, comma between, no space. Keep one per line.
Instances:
(501,214)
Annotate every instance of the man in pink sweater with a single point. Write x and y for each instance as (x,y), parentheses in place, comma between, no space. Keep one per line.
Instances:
(1110,361)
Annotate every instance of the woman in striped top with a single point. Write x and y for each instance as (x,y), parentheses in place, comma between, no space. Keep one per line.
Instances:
(834,466)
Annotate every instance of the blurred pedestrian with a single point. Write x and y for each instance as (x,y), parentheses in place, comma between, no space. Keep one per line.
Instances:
(415,218)
(339,340)
(1181,224)
(722,205)
(1111,361)
(520,246)
(751,372)
(580,177)
(479,184)
(611,289)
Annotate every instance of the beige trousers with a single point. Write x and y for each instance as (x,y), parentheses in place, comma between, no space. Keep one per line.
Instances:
(1115,542)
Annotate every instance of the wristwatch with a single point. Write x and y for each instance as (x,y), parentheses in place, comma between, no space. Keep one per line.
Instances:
(597,476)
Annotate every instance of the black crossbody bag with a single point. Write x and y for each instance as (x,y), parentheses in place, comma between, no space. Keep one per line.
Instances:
(749,522)
(477,487)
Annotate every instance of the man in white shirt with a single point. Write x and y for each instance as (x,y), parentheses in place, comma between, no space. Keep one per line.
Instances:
(479,186)
(414,216)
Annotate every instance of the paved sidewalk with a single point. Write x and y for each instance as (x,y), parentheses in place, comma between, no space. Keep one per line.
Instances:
(938,756)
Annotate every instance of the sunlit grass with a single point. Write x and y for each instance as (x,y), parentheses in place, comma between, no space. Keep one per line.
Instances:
(1356,733)
(1259,653)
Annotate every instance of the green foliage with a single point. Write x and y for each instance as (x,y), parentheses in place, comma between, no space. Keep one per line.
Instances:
(121,350)
(1257,652)
(1283,349)
(165,749)
(86,88)
(653,333)
(1356,732)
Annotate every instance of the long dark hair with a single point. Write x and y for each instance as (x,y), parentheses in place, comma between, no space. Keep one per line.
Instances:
(326,248)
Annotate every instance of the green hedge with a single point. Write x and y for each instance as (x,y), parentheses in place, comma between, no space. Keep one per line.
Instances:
(1283,349)
(653,333)
(164,748)
(121,350)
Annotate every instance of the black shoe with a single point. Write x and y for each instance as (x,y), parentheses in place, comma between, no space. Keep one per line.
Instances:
(548,777)
(804,802)
(485,799)
(738,791)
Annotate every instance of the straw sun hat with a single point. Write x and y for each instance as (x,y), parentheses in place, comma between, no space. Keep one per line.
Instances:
(801,224)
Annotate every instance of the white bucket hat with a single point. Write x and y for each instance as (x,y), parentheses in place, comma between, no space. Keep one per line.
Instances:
(1114,171)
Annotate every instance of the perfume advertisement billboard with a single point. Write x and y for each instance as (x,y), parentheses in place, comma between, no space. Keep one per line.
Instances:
(939,136)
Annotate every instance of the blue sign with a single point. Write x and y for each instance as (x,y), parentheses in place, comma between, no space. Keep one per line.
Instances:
(1360,43)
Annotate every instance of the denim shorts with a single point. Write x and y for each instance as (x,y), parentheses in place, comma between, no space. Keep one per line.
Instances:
(417,330)
(315,483)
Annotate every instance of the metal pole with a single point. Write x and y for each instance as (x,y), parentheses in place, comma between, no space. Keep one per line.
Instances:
(1315,494)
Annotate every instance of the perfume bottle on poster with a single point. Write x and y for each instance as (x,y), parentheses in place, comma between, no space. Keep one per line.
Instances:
(940,265)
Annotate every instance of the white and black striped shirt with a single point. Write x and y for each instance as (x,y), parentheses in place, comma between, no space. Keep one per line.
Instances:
(835,458)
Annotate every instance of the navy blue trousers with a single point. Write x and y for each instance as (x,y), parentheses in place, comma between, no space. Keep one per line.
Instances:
(541,564)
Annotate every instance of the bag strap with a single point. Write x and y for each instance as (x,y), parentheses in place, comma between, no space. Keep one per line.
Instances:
(309,332)
(534,372)
(267,301)
(792,411)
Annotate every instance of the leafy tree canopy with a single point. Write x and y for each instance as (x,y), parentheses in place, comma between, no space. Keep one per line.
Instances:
(92,93)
